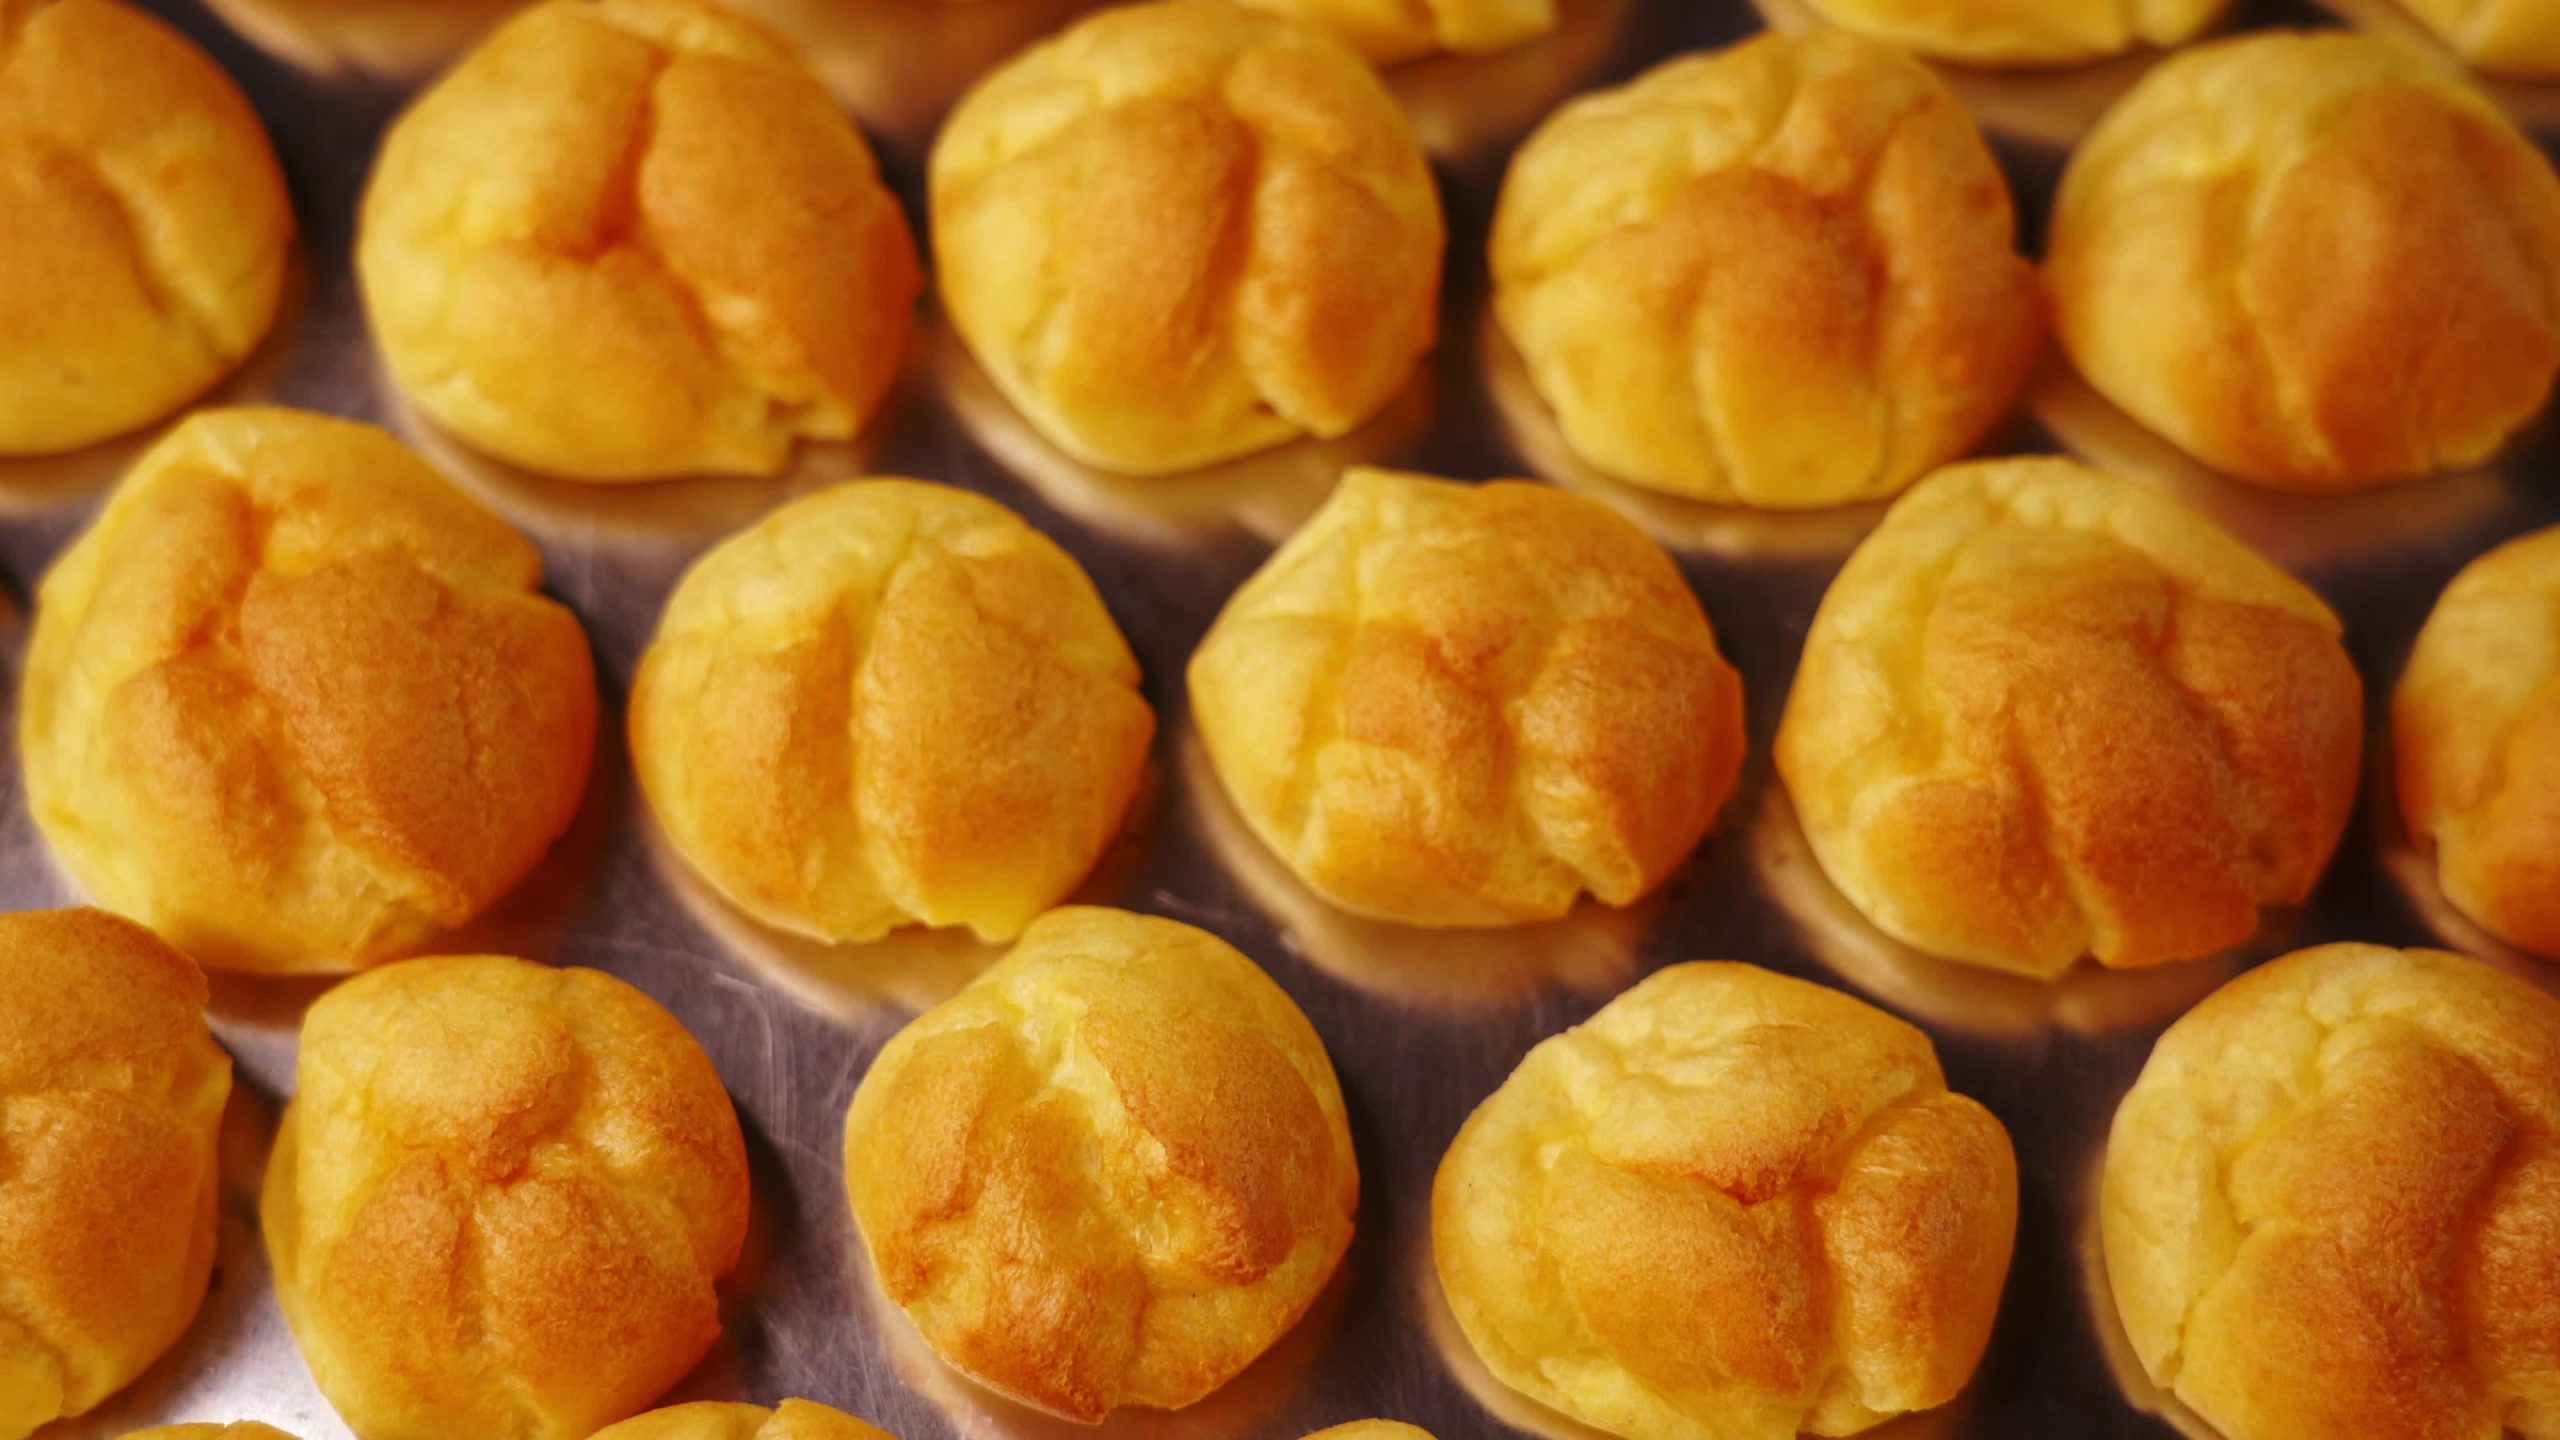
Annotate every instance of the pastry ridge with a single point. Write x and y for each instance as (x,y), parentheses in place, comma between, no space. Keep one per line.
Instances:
(2332,1202)
(1782,274)
(889,702)
(294,700)
(1466,705)
(1731,1206)
(1112,1171)
(631,238)
(2045,713)
(500,1200)
(1234,241)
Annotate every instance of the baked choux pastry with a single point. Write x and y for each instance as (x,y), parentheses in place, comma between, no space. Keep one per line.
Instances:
(1450,704)
(2023,33)
(1731,1206)
(2332,1202)
(1110,1172)
(2476,738)
(889,703)
(111,1096)
(1386,31)
(244,1430)
(2044,713)
(500,1201)
(634,238)
(2506,37)
(1182,231)
(1782,274)
(711,1420)
(1373,1430)
(2312,260)
(143,223)
(294,702)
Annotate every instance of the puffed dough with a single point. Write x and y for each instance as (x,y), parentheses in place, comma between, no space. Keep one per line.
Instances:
(1111,1171)
(1782,274)
(712,1420)
(2315,261)
(632,238)
(1183,231)
(889,703)
(2476,737)
(293,700)
(500,1200)
(2024,33)
(1732,1206)
(2332,1202)
(143,223)
(2507,37)
(2045,713)
(1386,31)
(111,1096)
(1449,704)
(244,1430)
(1373,1430)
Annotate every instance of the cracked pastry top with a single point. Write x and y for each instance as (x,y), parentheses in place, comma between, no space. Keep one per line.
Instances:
(2044,713)
(143,223)
(111,1097)
(713,1420)
(633,238)
(499,1202)
(294,701)
(2313,261)
(2023,34)
(889,703)
(1731,1206)
(1111,1171)
(2331,1203)
(2506,37)
(1782,274)
(2476,738)
(1182,231)
(1386,31)
(1466,705)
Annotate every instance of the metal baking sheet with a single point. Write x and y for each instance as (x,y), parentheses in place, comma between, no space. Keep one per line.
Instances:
(1421,1025)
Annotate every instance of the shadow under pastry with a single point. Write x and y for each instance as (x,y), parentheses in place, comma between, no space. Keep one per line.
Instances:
(2088,999)
(2048,107)
(391,41)
(1268,494)
(2298,531)
(35,485)
(909,970)
(2533,105)
(900,65)
(1590,951)
(1690,526)
(1468,107)
(1245,1405)
(2114,1345)
(1530,1417)
(679,515)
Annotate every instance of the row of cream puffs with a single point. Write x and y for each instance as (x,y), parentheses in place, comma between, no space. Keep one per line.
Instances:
(1115,1169)
(1781,274)
(295,702)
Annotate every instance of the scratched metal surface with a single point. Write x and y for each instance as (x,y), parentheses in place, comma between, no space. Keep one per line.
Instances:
(1420,1026)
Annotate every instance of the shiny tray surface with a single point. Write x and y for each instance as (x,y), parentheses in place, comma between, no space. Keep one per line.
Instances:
(1421,1026)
